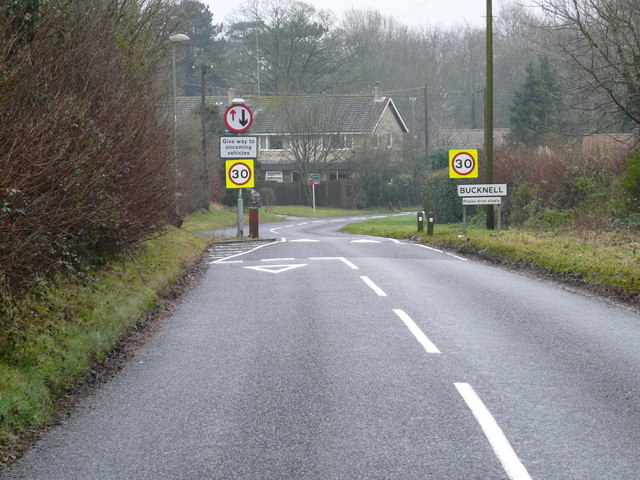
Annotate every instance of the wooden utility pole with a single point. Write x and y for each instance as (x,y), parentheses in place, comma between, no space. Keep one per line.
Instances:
(488,110)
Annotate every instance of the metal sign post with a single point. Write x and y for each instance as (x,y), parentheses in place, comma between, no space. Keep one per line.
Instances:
(240,174)
(313,179)
(240,214)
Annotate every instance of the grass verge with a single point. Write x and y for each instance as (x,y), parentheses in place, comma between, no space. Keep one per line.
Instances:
(57,334)
(309,212)
(610,260)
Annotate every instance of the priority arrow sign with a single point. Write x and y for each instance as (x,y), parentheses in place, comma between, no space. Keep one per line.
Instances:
(238,118)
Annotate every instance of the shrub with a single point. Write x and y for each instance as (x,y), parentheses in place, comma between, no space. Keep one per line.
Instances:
(85,164)
(631,181)
(441,197)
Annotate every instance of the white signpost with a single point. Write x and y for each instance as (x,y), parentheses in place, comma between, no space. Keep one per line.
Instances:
(239,147)
(482,194)
(484,190)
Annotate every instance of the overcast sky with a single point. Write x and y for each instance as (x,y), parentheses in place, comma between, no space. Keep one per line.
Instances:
(410,12)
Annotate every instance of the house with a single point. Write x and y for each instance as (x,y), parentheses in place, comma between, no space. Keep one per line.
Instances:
(305,134)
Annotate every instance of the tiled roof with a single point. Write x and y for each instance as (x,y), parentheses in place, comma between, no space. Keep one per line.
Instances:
(333,113)
(186,105)
(340,113)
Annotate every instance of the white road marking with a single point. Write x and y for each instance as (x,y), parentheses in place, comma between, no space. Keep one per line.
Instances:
(446,253)
(318,221)
(373,287)
(395,240)
(501,446)
(419,334)
(431,248)
(342,259)
(289,259)
(276,268)
(301,240)
(230,261)
(365,241)
(225,259)
(303,223)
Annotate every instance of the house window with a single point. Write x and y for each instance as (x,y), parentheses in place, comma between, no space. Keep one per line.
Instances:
(273,176)
(263,143)
(348,141)
(337,174)
(389,140)
(295,176)
(341,142)
(278,142)
(376,140)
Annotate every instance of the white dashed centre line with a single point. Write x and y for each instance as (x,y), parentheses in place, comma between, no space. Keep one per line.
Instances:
(419,334)
(501,446)
(373,287)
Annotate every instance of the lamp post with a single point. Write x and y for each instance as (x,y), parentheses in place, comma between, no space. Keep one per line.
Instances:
(174,39)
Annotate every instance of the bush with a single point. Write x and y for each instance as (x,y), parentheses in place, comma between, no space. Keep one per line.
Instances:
(438,159)
(85,163)
(560,187)
(441,198)
(631,181)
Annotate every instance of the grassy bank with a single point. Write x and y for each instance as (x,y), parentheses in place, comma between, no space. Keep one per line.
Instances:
(56,334)
(608,259)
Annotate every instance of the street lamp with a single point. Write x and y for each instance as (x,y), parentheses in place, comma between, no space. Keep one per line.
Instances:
(174,39)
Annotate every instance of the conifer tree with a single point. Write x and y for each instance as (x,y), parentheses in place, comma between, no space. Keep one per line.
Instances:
(536,106)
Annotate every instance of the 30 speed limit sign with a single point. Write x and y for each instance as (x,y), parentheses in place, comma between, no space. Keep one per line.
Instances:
(463,163)
(240,174)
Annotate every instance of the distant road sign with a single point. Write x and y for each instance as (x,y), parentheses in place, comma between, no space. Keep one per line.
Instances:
(238,118)
(463,163)
(488,190)
(239,147)
(313,179)
(240,174)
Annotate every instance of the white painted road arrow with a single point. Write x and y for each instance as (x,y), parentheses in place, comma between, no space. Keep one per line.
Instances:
(276,268)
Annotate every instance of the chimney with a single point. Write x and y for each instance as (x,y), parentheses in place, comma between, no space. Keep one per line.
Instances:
(231,94)
(376,92)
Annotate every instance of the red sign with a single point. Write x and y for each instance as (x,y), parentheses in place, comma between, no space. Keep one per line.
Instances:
(238,118)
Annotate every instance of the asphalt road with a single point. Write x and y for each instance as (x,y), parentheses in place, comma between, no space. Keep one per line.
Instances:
(331,356)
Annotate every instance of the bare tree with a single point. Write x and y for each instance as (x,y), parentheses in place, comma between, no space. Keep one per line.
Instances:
(600,40)
(314,130)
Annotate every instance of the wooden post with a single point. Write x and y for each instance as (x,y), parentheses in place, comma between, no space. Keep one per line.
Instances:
(430,222)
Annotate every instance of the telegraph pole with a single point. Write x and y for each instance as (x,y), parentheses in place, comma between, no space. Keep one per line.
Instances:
(488,110)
